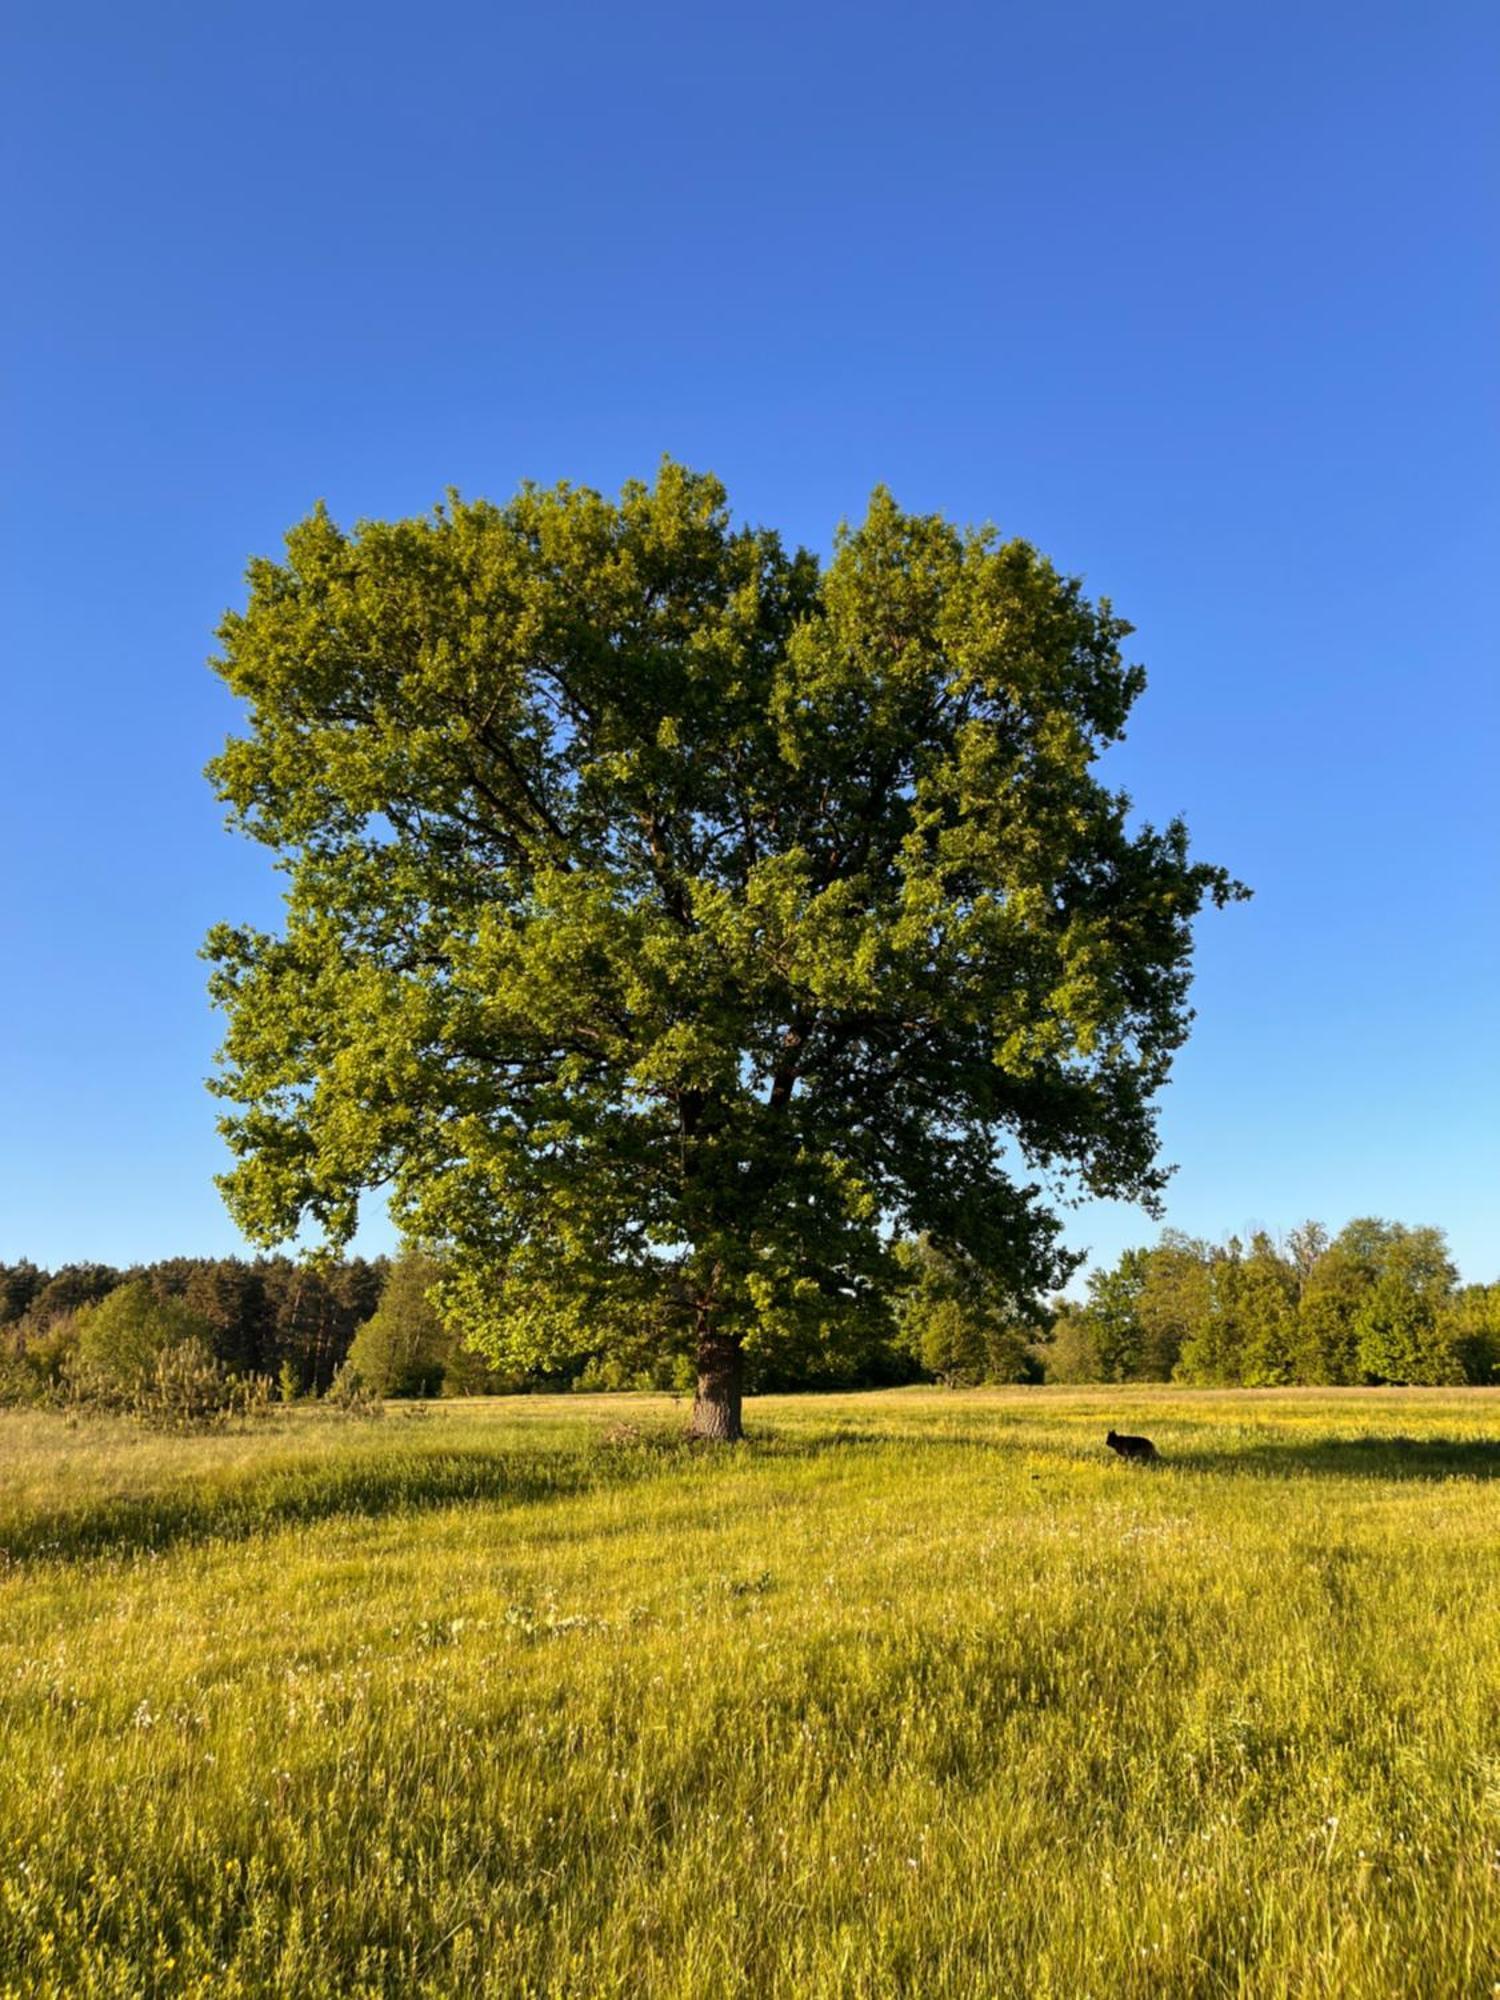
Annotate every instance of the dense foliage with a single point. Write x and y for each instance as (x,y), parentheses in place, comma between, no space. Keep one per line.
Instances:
(270,1318)
(1378,1303)
(304,1327)
(669,916)
(407,1348)
(956,1327)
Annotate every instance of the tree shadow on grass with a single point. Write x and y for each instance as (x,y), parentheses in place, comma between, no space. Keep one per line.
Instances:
(1378,1458)
(371,1487)
(838,1437)
(272,1498)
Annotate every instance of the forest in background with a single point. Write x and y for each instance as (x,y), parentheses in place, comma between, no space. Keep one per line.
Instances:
(1377,1303)
(270,1316)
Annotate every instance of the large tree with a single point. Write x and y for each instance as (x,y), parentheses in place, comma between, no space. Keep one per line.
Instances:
(673,920)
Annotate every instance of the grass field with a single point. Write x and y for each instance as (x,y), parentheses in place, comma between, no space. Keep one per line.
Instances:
(915,1693)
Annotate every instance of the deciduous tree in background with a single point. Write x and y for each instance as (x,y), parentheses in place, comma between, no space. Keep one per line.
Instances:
(401,1350)
(1267,1314)
(672,919)
(1333,1290)
(1471,1331)
(1174,1298)
(1400,1325)
(1375,1304)
(957,1325)
(1113,1315)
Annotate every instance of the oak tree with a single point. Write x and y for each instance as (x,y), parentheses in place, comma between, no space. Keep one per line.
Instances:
(674,920)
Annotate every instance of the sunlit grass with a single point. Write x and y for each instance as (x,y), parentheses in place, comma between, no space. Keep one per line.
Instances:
(914,1694)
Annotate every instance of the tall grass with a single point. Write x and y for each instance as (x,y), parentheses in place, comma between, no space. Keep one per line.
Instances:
(913,1694)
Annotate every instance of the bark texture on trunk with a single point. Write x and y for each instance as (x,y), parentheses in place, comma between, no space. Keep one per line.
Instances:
(721,1389)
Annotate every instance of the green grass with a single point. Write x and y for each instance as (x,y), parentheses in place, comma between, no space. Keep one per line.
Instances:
(915,1693)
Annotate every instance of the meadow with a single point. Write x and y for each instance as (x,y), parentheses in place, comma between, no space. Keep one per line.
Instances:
(913,1693)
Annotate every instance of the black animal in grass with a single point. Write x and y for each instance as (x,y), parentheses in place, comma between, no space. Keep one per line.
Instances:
(1139,1451)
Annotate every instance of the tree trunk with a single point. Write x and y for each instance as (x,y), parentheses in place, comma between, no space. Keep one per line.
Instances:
(721,1389)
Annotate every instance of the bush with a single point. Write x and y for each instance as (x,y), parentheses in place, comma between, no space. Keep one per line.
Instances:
(37,1358)
(188,1388)
(122,1340)
(145,1357)
(466,1373)
(352,1395)
(19,1383)
(674,1373)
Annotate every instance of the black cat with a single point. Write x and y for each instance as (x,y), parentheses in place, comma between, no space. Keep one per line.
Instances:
(1140,1451)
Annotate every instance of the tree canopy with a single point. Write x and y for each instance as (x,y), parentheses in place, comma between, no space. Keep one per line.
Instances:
(673,920)
(1377,1303)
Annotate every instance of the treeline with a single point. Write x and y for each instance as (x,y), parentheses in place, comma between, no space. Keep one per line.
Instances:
(95,1333)
(181,1336)
(1377,1303)
(268,1317)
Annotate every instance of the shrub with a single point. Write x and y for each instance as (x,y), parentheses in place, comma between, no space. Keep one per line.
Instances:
(122,1339)
(185,1388)
(152,1359)
(352,1395)
(36,1359)
(670,1372)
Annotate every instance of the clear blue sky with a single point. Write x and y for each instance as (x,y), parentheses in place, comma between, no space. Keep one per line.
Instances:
(1201,299)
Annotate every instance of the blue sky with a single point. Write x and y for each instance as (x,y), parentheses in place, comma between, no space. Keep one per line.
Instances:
(1202,300)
